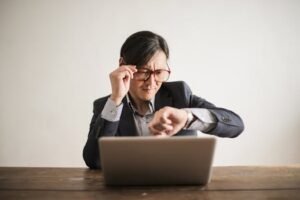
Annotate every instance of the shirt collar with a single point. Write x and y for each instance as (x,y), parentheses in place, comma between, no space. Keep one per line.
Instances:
(134,110)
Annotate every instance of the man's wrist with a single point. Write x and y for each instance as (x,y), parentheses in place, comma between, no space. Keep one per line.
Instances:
(111,112)
(190,119)
(117,101)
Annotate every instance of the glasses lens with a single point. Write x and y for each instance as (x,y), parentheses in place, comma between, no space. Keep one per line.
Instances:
(161,75)
(141,75)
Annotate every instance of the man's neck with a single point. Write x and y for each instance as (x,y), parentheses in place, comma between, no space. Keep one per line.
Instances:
(142,107)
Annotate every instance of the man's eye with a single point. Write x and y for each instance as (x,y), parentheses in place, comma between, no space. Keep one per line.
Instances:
(143,71)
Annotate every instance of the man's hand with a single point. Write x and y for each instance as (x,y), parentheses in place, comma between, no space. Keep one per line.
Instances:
(120,81)
(168,121)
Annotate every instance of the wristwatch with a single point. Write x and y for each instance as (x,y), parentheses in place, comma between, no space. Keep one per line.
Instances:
(190,119)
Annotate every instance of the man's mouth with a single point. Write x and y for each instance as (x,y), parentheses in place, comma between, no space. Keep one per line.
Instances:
(147,89)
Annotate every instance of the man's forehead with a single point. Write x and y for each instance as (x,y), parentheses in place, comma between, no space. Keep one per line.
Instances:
(157,63)
(158,59)
(156,66)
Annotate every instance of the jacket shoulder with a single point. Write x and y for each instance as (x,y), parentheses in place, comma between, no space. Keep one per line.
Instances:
(179,91)
(100,103)
(178,87)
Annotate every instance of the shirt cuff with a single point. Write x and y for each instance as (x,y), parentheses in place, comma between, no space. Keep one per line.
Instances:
(112,112)
(205,119)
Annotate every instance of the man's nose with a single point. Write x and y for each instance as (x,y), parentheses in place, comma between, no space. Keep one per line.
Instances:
(151,80)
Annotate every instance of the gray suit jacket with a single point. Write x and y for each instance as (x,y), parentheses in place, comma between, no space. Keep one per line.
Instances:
(174,94)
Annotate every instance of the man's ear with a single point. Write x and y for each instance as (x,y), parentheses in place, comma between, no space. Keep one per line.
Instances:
(121,61)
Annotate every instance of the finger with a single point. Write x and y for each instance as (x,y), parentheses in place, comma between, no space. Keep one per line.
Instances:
(123,75)
(154,131)
(163,127)
(160,128)
(127,77)
(163,135)
(159,133)
(124,72)
(134,66)
(131,68)
(164,118)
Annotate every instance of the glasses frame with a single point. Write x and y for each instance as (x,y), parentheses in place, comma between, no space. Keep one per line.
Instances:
(153,72)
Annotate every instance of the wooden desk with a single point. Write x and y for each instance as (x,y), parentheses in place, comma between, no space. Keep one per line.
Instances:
(79,183)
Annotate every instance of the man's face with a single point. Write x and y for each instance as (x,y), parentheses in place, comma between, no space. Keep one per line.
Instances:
(145,90)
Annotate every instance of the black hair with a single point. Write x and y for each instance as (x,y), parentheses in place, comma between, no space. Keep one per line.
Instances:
(139,48)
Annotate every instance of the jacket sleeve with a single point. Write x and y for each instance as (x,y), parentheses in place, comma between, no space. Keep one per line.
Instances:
(229,124)
(98,127)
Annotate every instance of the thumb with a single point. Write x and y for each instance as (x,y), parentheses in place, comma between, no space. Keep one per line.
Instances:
(165,117)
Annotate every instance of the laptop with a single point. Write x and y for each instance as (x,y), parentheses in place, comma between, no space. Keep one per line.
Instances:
(141,161)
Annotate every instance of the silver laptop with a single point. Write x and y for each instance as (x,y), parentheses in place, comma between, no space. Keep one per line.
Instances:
(182,160)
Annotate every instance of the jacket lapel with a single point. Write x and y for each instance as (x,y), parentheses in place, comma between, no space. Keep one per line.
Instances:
(127,124)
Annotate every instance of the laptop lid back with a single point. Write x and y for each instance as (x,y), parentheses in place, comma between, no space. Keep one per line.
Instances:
(156,161)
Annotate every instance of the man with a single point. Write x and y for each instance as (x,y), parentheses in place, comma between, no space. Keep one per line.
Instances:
(143,103)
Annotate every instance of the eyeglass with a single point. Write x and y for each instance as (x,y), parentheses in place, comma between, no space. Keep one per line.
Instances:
(160,75)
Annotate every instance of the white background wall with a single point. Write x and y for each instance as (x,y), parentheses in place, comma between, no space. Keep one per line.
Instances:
(55,56)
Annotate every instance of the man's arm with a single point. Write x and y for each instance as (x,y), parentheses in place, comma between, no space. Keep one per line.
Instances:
(105,122)
(218,121)
(227,123)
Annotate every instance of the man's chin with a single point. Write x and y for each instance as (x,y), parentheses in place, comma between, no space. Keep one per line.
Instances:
(148,97)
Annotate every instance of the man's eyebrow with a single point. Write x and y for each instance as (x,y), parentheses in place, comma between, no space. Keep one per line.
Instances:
(162,67)
(159,67)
